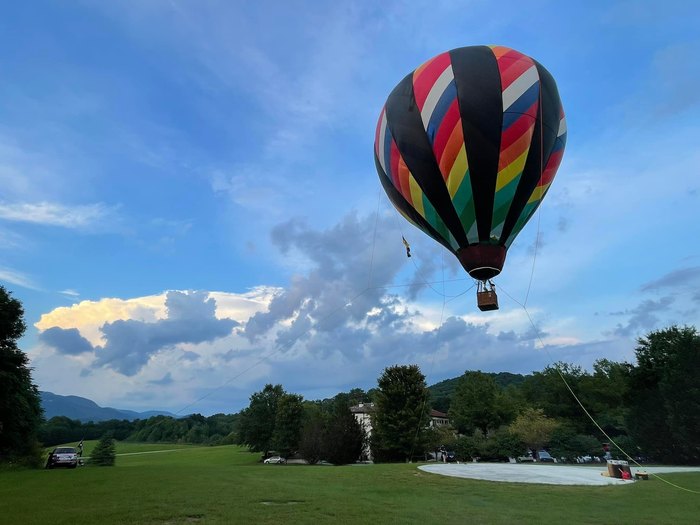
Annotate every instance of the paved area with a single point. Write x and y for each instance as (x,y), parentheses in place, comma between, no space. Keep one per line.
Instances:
(541,473)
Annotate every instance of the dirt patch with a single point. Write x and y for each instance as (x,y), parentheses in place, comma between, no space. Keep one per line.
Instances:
(188,518)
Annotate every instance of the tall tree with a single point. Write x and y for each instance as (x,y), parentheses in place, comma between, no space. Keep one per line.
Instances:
(664,395)
(20,404)
(604,394)
(311,443)
(257,422)
(547,391)
(475,404)
(344,438)
(288,422)
(401,416)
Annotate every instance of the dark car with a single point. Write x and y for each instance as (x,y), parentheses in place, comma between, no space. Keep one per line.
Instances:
(450,457)
(62,457)
(544,457)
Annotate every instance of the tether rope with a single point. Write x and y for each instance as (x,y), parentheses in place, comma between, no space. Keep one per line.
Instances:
(580,404)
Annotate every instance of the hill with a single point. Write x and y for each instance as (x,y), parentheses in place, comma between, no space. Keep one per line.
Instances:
(83,409)
(443,392)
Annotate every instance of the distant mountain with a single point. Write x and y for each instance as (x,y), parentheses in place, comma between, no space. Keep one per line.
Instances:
(85,410)
(443,392)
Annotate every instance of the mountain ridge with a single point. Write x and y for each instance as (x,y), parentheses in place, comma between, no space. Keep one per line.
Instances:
(84,409)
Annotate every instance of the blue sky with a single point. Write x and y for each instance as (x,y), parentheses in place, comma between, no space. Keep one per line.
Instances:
(189,206)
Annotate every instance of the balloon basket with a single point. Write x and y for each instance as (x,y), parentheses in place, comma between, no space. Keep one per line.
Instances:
(486,298)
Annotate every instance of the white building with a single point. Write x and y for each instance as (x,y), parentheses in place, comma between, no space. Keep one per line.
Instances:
(363,414)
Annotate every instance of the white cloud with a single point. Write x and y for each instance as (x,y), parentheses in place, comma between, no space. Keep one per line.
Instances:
(54,214)
(18,278)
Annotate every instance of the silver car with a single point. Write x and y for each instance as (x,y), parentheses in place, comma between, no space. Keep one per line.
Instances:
(62,457)
(275,460)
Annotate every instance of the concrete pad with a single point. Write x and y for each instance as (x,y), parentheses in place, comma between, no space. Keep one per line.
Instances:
(540,473)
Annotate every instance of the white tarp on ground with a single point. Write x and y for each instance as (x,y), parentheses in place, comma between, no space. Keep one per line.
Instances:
(540,473)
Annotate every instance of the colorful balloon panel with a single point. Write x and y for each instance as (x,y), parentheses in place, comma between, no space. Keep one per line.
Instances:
(467,146)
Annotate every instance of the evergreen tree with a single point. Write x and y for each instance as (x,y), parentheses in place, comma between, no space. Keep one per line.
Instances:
(401,416)
(311,443)
(104,453)
(20,404)
(288,421)
(344,438)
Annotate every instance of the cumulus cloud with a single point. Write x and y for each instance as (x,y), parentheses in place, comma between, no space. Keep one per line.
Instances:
(643,317)
(167,379)
(66,341)
(342,270)
(675,279)
(190,319)
(126,345)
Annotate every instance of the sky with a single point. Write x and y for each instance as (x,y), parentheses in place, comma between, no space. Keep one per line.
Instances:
(189,207)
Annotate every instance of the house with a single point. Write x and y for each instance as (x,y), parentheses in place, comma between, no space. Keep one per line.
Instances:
(363,414)
(438,419)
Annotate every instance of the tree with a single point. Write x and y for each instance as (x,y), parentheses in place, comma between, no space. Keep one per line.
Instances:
(104,454)
(20,404)
(288,420)
(475,404)
(604,394)
(533,428)
(344,438)
(664,395)
(547,391)
(311,442)
(401,414)
(257,422)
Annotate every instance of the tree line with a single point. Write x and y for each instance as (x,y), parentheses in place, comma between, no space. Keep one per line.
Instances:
(650,409)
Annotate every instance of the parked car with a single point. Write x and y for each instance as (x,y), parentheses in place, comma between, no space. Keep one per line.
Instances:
(275,460)
(544,457)
(62,457)
(525,458)
(450,457)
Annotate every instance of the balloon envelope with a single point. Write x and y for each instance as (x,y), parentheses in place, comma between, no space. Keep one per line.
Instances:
(467,146)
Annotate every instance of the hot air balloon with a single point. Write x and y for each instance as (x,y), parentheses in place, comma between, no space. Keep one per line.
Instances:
(466,148)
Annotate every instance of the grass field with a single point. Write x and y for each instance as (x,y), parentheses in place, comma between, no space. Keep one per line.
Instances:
(206,485)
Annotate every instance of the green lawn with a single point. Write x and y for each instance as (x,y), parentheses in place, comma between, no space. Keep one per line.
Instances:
(228,485)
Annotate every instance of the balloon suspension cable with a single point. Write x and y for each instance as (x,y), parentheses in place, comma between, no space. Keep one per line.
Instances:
(374,238)
(426,393)
(419,273)
(582,406)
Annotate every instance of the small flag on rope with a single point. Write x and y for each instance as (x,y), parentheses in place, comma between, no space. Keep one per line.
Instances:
(408,246)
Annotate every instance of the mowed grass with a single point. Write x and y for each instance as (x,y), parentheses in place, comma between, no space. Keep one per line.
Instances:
(229,485)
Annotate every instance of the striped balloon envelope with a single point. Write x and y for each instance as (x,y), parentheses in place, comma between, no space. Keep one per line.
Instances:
(467,146)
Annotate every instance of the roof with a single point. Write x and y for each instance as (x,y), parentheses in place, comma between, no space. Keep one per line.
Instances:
(362,408)
(437,413)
